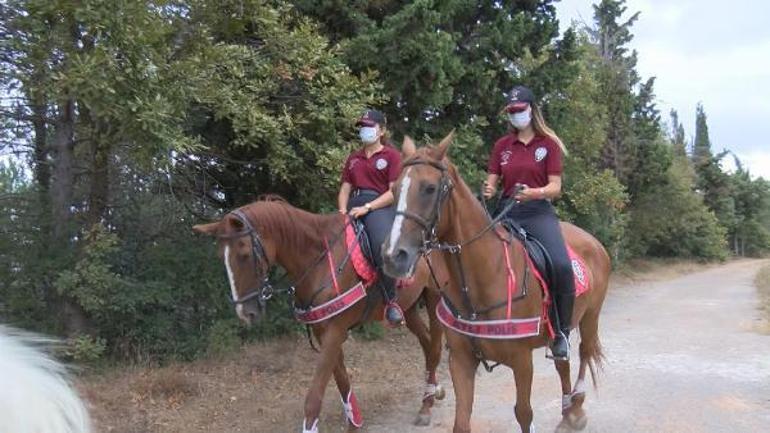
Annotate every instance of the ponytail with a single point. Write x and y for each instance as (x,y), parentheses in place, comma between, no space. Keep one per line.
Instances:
(540,127)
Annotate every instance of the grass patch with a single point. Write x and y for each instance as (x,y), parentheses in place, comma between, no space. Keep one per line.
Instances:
(762,281)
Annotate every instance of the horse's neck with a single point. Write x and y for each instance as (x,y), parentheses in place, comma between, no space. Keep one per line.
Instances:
(466,217)
(302,241)
(482,258)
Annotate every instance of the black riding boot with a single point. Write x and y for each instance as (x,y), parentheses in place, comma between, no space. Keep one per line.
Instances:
(393,313)
(561,318)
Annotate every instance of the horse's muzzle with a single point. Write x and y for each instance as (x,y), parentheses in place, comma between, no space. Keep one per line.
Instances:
(400,262)
(250,312)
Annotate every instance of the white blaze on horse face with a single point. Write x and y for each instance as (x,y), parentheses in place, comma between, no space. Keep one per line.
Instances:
(231,278)
(398,222)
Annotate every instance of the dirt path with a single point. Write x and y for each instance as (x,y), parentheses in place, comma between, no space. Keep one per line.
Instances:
(682,356)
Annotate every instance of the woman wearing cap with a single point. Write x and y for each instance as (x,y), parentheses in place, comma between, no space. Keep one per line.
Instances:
(367,177)
(528,160)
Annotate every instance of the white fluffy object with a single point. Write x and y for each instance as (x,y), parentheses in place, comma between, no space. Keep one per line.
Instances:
(36,395)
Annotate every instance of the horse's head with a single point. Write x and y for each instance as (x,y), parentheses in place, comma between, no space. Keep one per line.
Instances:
(247,257)
(420,194)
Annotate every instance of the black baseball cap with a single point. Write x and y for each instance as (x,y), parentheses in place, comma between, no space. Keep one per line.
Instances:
(519,98)
(371,118)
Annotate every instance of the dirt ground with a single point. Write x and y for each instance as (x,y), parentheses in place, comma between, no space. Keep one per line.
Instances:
(662,332)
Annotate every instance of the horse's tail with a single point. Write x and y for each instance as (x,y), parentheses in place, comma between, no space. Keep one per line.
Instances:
(590,346)
(35,392)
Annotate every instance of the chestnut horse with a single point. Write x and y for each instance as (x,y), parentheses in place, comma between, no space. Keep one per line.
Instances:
(437,210)
(312,250)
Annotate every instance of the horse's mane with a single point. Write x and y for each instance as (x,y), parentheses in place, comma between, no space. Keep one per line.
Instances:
(271,197)
(429,152)
(296,227)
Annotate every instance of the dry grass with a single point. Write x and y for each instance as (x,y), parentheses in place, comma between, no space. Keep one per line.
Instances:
(656,270)
(259,388)
(762,281)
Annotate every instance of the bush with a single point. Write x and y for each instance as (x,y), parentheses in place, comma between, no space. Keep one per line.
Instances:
(370,331)
(671,220)
(223,337)
(86,349)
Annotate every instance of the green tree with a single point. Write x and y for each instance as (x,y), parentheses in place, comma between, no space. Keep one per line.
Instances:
(143,118)
(712,182)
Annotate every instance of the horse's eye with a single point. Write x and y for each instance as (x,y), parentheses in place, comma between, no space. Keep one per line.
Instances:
(430,189)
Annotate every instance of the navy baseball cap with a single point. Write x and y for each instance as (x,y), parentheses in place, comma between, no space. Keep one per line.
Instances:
(519,98)
(371,118)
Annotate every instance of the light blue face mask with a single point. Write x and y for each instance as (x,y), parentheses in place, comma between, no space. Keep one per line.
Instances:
(368,134)
(522,119)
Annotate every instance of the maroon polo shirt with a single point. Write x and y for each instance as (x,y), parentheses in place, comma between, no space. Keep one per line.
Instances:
(374,173)
(530,163)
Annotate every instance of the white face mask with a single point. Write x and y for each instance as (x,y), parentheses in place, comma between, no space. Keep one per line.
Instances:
(368,134)
(521,119)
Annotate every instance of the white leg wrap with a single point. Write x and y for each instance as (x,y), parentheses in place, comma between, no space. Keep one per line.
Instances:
(312,429)
(580,387)
(566,402)
(430,390)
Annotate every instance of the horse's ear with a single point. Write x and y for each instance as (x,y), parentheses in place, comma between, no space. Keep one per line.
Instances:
(408,148)
(207,229)
(443,146)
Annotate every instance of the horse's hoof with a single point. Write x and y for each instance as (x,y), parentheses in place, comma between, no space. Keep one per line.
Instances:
(572,422)
(578,422)
(440,393)
(422,420)
(563,427)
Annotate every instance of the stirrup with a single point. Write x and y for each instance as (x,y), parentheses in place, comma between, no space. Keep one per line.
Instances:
(393,304)
(549,351)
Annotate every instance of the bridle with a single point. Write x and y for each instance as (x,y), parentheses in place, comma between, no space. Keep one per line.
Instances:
(429,224)
(266,290)
(259,257)
(431,242)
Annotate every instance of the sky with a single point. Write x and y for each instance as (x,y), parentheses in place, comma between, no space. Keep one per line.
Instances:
(714,52)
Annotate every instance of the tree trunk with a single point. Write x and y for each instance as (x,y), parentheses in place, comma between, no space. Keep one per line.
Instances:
(62,190)
(42,169)
(63,147)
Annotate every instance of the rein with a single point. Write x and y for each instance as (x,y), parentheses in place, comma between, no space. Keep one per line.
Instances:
(431,243)
(266,290)
(429,226)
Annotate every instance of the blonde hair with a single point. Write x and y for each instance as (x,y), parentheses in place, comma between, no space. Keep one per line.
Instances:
(538,124)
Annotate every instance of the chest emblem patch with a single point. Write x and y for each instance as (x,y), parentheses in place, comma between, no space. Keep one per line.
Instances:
(381,164)
(540,153)
(505,157)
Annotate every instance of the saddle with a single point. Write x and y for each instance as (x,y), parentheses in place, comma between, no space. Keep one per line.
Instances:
(361,255)
(542,261)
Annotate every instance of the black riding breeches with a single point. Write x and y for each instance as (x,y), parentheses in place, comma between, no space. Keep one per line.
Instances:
(538,217)
(377,222)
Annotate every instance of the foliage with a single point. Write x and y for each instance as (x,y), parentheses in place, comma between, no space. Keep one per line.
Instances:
(86,349)
(370,331)
(123,123)
(671,221)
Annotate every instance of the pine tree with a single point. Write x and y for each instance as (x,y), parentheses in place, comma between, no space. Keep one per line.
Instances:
(701,151)
(677,136)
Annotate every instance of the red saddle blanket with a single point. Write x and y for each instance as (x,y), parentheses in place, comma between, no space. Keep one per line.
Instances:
(361,264)
(580,271)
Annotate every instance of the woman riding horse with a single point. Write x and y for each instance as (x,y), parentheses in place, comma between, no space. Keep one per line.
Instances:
(366,194)
(529,161)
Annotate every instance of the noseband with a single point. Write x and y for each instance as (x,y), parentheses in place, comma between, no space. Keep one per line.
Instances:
(444,188)
(260,260)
